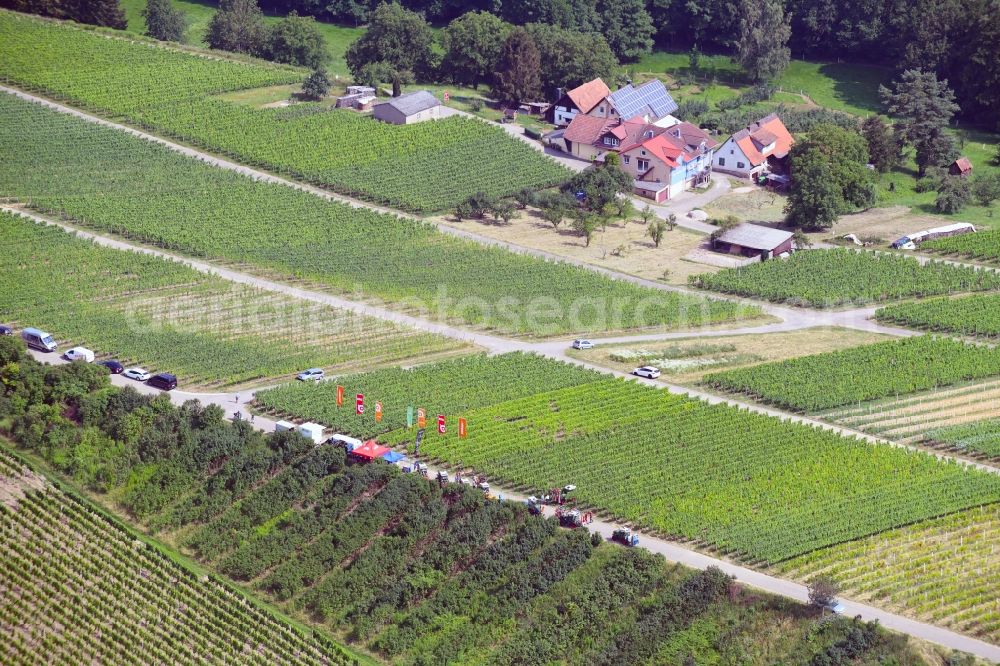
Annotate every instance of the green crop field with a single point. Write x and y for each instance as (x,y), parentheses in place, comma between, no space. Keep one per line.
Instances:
(849,376)
(977,437)
(945,571)
(830,278)
(748,484)
(977,315)
(168,317)
(449,388)
(114,182)
(78,588)
(983,246)
(424,167)
(414,571)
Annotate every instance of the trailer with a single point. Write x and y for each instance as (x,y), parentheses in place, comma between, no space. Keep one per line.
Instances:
(313,431)
(911,241)
(560,496)
(282,426)
(345,442)
(626,536)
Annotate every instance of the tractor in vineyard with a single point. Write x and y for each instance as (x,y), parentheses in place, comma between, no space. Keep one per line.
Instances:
(534,506)
(573,518)
(626,536)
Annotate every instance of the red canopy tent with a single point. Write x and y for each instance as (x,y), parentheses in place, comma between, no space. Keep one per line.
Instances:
(370,450)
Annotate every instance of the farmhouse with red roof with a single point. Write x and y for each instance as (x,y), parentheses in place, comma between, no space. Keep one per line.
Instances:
(663,161)
(761,147)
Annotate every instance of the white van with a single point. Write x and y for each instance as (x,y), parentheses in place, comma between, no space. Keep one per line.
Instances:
(39,340)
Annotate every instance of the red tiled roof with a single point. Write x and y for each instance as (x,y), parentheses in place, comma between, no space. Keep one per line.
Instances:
(586,129)
(963,164)
(585,97)
(692,136)
(765,128)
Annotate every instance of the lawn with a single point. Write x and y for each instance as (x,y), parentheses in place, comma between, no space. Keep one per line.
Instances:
(338,37)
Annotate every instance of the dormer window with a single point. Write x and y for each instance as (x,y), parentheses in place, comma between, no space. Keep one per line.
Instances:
(648,134)
(610,141)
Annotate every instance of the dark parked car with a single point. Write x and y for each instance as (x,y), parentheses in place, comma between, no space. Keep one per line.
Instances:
(114,367)
(164,380)
(6,330)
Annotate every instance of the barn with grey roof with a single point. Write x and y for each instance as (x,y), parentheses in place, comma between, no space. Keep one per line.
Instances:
(410,108)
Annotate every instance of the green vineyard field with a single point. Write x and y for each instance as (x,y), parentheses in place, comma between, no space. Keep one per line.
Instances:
(167,317)
(424,167)
(849,376)
(78,588)
(450,388)
(831,278)
(944,571)
(115,182)
(984,246)
(977,315)
(745,483)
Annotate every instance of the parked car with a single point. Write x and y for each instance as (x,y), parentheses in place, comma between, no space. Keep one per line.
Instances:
(39,340)
(164,381)
(114,367)
(137,374)
(79,354)
(647,371)
(6,330)
(836,607)
(583,344)
(312,374)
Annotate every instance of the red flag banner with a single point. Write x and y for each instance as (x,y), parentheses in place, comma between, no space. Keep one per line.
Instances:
(421,417)
(340,396)
(378,411)
(359,404)
(441,426)
(462,427)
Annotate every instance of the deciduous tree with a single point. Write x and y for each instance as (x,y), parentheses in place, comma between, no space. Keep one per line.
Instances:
(397,37)
(472,47)
(238,26)
(316,85)
(627,27)
(656,231)
(762,45)
(954,193)
(296,40)
(164,21)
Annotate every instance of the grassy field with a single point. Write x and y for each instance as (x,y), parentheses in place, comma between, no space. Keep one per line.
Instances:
(944,571)
(167,317)
(337,37)
(690,359)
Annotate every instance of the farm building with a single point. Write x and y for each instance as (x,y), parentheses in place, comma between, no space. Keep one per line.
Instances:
(761,147)
(663,161)
(960,167)
(407,109)
(753,240)
(582,99)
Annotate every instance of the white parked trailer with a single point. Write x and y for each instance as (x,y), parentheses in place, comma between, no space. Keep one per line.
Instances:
(282,426)
(910,241)
(313,431)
